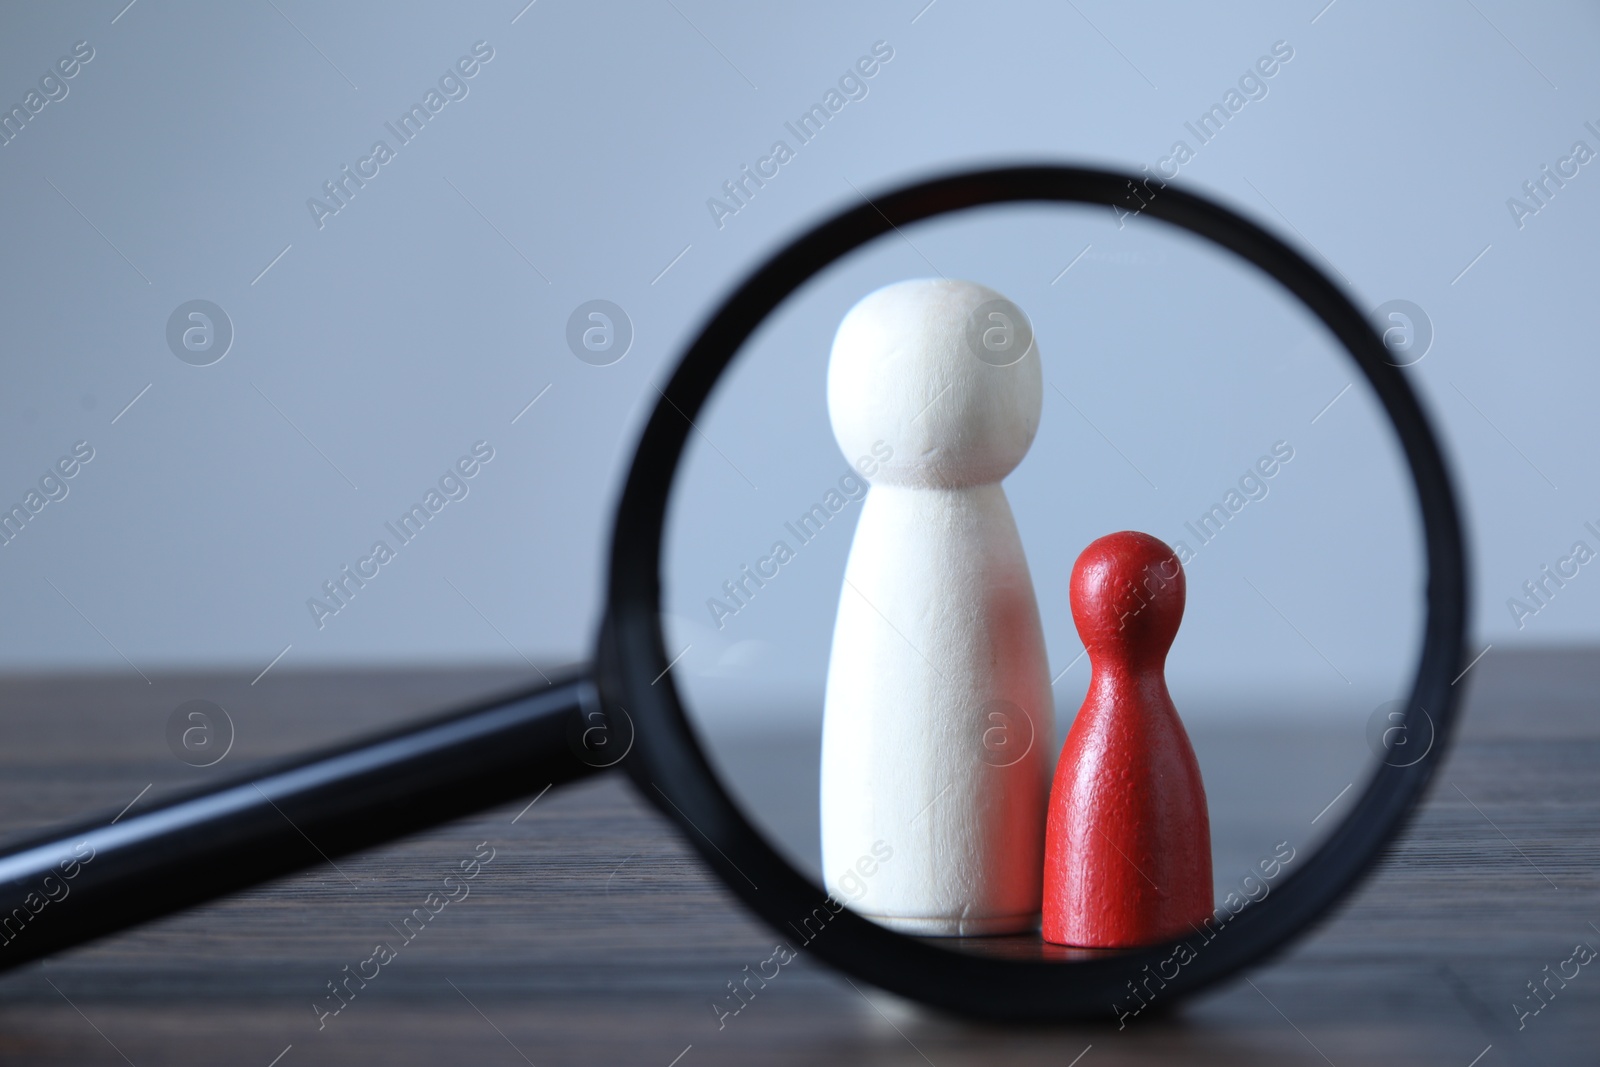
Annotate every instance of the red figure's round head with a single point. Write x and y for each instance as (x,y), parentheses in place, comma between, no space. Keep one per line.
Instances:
(1127,598)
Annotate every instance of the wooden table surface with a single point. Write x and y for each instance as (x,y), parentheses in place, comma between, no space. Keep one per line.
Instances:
(594,936)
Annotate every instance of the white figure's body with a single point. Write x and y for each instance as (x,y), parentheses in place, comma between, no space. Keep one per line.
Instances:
(938,721)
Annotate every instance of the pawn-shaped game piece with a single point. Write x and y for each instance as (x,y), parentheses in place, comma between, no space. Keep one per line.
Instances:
(1128,844)
(938,716)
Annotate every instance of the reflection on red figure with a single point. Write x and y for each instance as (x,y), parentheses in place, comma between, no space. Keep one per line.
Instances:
(1128,841)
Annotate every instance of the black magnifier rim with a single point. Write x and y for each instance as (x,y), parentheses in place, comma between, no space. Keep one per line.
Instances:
(670,767)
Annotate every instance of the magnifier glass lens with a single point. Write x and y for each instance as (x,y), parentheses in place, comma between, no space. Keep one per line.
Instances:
(937,529)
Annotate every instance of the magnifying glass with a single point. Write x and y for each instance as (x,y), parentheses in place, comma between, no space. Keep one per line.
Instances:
(1167,336)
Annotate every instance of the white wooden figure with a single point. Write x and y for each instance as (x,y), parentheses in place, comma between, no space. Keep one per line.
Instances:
(938,723)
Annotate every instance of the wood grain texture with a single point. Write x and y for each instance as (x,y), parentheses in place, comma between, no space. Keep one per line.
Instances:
(595,937)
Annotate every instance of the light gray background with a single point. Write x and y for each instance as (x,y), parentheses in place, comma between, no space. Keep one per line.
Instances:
(429,312)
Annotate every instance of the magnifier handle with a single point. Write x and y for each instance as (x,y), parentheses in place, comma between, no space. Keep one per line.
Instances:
(68,886)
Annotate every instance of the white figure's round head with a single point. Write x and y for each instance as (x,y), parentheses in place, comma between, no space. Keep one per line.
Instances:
(942,375)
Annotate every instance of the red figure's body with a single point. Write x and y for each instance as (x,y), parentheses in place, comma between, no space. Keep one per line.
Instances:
(1128,842)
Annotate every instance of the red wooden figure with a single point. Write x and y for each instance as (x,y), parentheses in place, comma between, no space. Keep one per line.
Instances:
(1128,841)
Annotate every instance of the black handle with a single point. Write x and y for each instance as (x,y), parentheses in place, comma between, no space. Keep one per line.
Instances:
(68,886)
